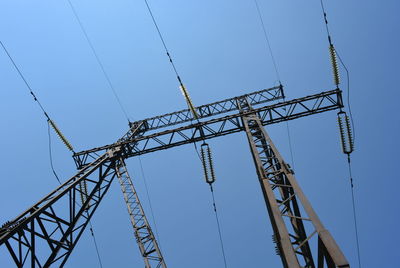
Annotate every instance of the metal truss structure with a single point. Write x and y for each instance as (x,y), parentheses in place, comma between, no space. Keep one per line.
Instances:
(144,235)
(47,232)
(285,200)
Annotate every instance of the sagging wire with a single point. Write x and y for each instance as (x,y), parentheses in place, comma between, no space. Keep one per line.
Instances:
(345,124)
(51,154)
(110,84)
(50,123)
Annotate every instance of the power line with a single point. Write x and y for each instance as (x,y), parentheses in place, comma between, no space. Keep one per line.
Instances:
(277,74)
(98,59)
(267,41)
(354,210)
(333,52)
(50,153)
(163,42)
(95,244)
(25,81)
(348,94)
(219,226)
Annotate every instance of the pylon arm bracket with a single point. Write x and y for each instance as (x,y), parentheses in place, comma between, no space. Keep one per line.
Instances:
(279,112)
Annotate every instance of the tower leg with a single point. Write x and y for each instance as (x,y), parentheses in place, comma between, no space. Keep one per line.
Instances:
(145,238)
(284,198)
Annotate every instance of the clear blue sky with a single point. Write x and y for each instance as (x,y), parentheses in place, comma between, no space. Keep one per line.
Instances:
(220,52)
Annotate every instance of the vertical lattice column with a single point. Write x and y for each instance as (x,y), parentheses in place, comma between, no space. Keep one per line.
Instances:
(145,238)
(289,210)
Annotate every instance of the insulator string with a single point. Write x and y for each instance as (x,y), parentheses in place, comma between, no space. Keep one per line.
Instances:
(349,147)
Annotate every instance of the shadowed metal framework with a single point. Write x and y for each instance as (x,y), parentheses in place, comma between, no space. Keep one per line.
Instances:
(47,232)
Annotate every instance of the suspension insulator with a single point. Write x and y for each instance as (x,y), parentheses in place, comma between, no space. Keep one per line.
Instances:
(208,165)
(189,102)
(83,193)
(60,135)
(335,66)
(346,135)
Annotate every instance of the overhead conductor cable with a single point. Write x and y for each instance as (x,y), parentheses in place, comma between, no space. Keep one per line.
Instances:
(206,158)
(346,133)
(110,84)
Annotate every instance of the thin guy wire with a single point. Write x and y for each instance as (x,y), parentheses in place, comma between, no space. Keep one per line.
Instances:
(354,211)
(267,40)
(25,81)
(218,224)
(149,200)
(98,59)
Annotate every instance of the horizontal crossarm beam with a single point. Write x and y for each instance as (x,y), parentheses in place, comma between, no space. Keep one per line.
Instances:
(216,108)
(284,111)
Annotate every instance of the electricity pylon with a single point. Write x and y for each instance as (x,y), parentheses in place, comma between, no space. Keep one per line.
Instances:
(46,233)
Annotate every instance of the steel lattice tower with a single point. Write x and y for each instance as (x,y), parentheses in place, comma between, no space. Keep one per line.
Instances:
(58,220)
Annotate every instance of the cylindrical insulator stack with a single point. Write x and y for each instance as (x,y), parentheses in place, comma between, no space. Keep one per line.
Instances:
(346,135)
(60,135)
(208,165)
(189,102)
(335,66)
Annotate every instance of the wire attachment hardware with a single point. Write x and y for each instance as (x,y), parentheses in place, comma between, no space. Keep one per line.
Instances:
(346,135)
(60,135)
(208,165)
(335,66)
